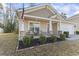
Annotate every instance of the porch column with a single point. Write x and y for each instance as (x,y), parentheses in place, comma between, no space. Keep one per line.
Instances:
(21,29)
(50,27)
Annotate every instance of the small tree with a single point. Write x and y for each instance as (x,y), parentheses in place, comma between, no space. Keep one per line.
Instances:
(9,26)
(10,20)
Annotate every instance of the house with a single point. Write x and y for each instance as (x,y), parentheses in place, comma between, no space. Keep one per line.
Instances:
(43,19)
(66,25)
(75,19)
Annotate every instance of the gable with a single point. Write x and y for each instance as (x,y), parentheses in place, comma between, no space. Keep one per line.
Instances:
(44,11)
(41,13)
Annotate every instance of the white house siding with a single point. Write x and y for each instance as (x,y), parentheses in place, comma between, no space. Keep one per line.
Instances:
(67,27)
(44,12)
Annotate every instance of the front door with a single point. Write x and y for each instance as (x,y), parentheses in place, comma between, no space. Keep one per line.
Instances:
(36,28)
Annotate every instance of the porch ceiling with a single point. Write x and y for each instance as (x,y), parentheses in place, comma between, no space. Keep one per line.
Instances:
(39,18)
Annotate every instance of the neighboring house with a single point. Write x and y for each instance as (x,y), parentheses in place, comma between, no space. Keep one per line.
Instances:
(75,19)
(42,19)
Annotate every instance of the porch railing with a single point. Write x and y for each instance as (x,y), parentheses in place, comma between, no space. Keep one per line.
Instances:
(22,34)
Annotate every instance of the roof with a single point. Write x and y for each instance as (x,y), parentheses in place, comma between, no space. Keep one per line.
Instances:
(73,17)
(66,21)
(30,9)
(52,9)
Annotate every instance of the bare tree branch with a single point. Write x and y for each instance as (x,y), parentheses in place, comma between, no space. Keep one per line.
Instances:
(22,12)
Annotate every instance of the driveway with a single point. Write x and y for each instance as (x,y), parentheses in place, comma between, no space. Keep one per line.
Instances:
(73,37)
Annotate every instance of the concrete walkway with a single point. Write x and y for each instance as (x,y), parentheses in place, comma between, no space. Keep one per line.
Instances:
(73,37)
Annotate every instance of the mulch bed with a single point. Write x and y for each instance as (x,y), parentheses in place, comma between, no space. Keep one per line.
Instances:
(35,42)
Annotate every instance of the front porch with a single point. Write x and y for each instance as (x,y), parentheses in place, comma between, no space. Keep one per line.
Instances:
(36,26)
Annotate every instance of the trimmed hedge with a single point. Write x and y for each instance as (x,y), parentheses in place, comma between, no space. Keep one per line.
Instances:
(62,37)
(42,39)
(53,38)
(27,41)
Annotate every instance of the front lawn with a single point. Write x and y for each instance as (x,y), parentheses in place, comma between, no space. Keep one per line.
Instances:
(8,44)
(63,48)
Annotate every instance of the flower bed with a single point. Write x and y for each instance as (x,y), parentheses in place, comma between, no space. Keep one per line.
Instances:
(39,41)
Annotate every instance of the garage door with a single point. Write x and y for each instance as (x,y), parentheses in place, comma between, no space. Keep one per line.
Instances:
(1,30)
(67,27)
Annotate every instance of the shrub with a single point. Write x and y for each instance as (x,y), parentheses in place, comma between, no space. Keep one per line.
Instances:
(27,41)
(62,37)
(42,39)
(66,33)
(9,26)
(53,38)
(77,32)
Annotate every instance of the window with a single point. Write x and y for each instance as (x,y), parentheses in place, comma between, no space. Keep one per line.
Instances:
(34,27)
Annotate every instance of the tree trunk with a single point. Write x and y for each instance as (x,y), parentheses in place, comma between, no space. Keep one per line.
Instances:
(22,12)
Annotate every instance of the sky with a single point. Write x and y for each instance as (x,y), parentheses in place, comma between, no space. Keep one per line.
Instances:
(69,9)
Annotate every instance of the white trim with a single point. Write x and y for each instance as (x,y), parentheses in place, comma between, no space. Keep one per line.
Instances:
(38,18)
